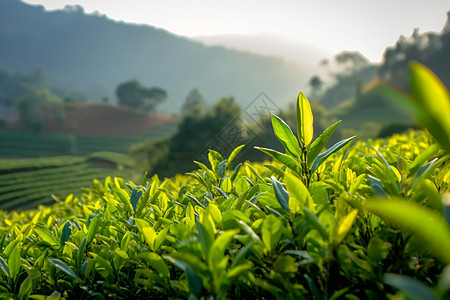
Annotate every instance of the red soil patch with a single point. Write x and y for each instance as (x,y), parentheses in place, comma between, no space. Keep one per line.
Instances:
(107,119)
(100,119)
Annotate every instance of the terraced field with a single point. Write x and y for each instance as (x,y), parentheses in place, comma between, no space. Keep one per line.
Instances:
(26,183)
(30,144)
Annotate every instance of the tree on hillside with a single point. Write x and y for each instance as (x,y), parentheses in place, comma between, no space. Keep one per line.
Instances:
(35,107)
(194,105)
(176,154)
(352,61)
(133,94)
(316,85)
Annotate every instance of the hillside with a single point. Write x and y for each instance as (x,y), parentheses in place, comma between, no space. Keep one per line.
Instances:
(100,119)
(94,54)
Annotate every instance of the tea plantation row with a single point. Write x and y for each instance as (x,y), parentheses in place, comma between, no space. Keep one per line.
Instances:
(28,144)
(26,183)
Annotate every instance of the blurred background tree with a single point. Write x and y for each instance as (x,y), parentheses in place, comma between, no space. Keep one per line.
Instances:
(34,108)
(134,95)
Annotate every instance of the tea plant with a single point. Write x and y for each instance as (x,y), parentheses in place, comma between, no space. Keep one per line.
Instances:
(362,221)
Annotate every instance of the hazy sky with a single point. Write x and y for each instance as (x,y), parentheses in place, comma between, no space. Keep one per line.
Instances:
(332,25)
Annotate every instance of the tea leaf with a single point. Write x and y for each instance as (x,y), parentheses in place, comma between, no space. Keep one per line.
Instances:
(271,232)
(315,147)
(64,267)
(315,222)
(195,282)
(4,266)
(378,249)
(11,247)
(233,154)
(289,161)
(285,264)
(299,195)
(125,241)
(305,129)
(322,157)
(159,240)
(218,247)
(429,226)
(284,134)
(281,194)
(424,156)
(222,167)
(156,262)
(346,225)
(411,287)
(25,288)
(46,235)
(14,263)
(134,198)
(93,227)
(147,231)
(206,238)
(240,256)
(65,233)
(433,98)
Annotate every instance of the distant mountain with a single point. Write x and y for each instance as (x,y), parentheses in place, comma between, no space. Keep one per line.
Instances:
(265,44)
(94,54)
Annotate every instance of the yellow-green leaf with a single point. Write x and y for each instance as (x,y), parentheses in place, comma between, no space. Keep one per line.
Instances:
(284,134)
(427,225)
(226,185)
(147,231)
(46,235)
(299,195)
(346,225)
(305,129)
(433,98)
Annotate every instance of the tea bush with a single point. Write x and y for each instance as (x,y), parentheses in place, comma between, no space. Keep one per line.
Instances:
(367,220)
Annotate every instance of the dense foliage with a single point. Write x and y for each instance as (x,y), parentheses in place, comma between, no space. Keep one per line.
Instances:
(355,221)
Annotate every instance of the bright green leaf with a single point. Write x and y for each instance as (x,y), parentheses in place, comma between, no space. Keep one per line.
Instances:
(156,262)
(147,231)
(285,264)
(218,247)
(233,154)
(305,129)
(346,225)
(299,195)
(427,225)
(284,134)
(323,156)
(271,231)
(64,267)
(423,157)
(289,161)
(433,98)
(93,227)
(160,238)
(25,288)
(125,241)
(46,235)
(206,238)
(14,263)
(315,147)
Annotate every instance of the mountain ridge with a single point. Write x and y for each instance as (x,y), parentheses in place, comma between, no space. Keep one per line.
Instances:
(93,53)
